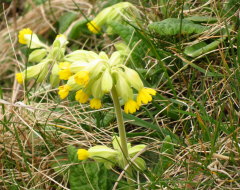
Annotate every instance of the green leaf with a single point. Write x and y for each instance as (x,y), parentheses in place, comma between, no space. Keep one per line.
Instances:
(200,19)
(130,37)
(167,151)
(58,165)
(172,26)
(65,21)
(163,132)
(72,154)
(163,7)
(86,175)
(202,48)
(78,28)
(108,118)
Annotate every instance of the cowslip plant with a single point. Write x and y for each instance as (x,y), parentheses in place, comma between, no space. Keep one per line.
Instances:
(91,76)
(46,57)
(100,75)
(111,157)
(119,12)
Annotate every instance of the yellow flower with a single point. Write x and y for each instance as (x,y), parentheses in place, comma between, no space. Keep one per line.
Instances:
(93,27)
(95,103)
(82,77)
(19,77)
(81,96)
(64,65)
(21,34)
(145,95)
(63,91)
(64,74)
(131,106)
(82,154)
(60,36)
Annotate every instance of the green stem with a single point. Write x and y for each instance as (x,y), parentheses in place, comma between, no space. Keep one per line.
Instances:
(122,134)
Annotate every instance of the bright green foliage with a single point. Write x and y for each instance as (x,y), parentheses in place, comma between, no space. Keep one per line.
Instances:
(202,47)
(65,21)
(86,176)
(172,26)
(165,161)
(163,7)
(200,19)
(130,37)
(78,28)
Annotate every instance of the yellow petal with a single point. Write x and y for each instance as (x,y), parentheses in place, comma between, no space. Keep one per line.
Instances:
(95,103)
(82,154)
(93,27)
(19,77)
(21,34)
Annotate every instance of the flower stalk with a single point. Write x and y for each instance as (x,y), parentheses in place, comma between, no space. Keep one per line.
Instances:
(122,134)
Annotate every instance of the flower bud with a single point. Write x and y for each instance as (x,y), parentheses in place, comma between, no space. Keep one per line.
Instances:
(38,72)
(54,78)
(37,55)
(72,83)
(103,55)
(116,59)
(82,56)
(123,87)
(117,13)
(78,66)
(133,78)
(102,153)
(26,36)
(96,89)
(60,41)
(106,81)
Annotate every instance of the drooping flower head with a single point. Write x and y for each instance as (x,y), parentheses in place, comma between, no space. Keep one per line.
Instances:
(117,13)
(82,154)
(95,75)
(111,157)
(26,36)
(37,72)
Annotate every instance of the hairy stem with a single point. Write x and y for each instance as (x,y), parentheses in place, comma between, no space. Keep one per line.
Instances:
(122,134)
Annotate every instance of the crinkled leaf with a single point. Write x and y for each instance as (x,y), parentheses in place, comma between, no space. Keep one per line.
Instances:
(172,26)
(86,175)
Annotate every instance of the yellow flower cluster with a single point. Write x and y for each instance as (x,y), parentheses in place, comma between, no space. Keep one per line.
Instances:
(93,78)
(88,74)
